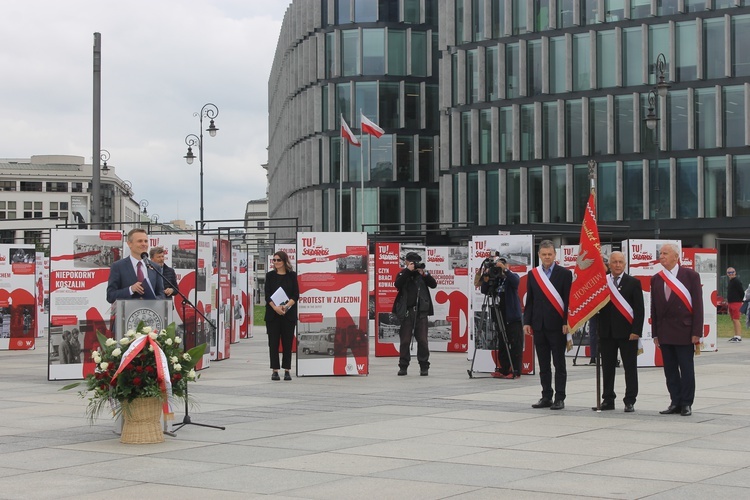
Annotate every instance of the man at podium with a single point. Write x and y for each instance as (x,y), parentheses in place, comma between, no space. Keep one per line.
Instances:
(129,278)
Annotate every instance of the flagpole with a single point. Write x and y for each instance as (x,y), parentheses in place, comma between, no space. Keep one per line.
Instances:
(598,407)
(361,175)
(341,177)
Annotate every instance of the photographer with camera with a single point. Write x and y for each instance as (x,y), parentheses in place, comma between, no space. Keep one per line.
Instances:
(412,283)
(499,281)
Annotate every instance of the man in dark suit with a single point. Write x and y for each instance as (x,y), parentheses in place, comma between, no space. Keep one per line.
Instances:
(546,317)
(156,255)
(129,278)
(677,326)
(620,328)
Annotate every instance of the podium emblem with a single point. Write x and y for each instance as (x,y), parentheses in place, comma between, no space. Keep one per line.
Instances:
(148,316)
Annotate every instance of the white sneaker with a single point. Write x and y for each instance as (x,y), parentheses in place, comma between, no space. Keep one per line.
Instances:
(735,339)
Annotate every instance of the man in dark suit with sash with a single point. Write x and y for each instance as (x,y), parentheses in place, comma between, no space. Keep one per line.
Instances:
(546,317)
(620,328)
(677,326)
(129,278)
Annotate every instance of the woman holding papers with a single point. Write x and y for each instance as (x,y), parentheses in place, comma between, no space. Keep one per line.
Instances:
(282,294)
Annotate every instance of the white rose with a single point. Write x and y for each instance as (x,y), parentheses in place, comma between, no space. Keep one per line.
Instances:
(162,333)
(191,375)
(150,348)
(177,367)
(130,333)
(116,353)
(177,340)
(186,357)
(147,330)
(153,335)
(96,357)
(168,342)
(110,342)
(173,359)
(104,365)
(124,341)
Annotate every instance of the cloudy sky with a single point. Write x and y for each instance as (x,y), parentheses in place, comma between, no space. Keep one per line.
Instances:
(162,60)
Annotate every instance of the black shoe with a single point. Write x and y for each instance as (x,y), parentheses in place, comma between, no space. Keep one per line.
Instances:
(557,405)
(542,403)
(686,411)
(287,376)
(592,361)
(617,364)
(423,372)
(671,410)
(605,406)
(629,408)
(401,372)
(275,376)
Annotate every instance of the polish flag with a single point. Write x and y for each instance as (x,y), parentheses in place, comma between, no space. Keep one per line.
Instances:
(347,134)
(370,127)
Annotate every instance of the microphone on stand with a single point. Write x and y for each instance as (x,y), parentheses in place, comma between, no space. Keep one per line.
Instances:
(144,258)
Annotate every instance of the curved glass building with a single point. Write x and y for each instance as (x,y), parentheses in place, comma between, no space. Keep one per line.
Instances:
(340,58)
(495,109)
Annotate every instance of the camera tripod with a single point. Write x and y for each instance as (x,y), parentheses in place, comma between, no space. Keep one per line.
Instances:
(492,326)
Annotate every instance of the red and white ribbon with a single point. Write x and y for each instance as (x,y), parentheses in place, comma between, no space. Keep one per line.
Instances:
(550,291)
(678,288)
(619,302)
(162,368)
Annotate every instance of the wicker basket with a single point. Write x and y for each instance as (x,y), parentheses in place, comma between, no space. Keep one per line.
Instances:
(142,421)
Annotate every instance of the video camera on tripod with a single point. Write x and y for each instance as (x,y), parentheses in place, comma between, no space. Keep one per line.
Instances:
(492,274)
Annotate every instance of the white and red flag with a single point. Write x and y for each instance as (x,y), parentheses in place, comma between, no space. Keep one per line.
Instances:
(589,291)
(347,134)
(372,128)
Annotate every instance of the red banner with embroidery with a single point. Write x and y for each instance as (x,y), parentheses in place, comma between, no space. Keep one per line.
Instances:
(162,368)
(589,291)
(549,290)
(678,288)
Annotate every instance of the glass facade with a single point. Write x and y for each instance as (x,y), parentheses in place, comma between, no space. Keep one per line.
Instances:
(529,92)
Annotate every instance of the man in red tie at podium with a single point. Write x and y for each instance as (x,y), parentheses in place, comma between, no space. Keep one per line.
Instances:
(129,278)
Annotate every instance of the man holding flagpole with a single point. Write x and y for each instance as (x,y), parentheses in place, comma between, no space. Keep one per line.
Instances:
(545,317)
(677,326)
(620,328)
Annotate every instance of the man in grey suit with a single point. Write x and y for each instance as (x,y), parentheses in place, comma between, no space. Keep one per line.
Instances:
(677,326)
(129,278)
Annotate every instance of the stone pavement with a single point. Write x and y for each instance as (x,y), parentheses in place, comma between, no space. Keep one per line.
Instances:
(383,436)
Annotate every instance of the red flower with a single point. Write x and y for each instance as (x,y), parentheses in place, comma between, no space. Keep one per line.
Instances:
(150,369)
(139,369)
(137,381)
(176,378)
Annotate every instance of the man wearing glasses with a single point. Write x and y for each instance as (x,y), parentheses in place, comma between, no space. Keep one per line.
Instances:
(735,296)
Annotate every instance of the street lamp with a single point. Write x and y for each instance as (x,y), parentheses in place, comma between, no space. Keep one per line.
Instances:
(209,111)
(144,204)
(661,89)
(104,155)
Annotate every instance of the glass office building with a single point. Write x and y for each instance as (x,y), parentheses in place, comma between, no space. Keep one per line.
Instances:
(532,91)
(340,58)
(529,93)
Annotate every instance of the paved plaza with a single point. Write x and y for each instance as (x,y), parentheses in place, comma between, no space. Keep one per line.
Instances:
(382,436)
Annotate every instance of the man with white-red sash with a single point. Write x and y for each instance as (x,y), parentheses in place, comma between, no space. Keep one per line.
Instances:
(677,326)
(546,317)
(620,329)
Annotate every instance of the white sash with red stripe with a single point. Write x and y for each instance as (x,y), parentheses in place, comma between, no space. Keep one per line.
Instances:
(619,301)
(549,291)
(678,288)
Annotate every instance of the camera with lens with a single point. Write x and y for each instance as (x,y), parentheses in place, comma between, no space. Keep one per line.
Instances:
(419,265)
(493,274)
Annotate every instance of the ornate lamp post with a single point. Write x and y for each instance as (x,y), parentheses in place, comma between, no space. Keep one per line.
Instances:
(661,89)
(104,155)
(209,111)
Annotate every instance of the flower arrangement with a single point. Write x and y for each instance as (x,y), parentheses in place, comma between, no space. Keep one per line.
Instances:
(143,364)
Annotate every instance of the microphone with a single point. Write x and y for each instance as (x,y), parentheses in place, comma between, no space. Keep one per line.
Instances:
(144,258)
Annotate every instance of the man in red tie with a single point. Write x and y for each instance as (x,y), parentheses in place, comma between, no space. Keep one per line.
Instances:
(129,278)
(677,326)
